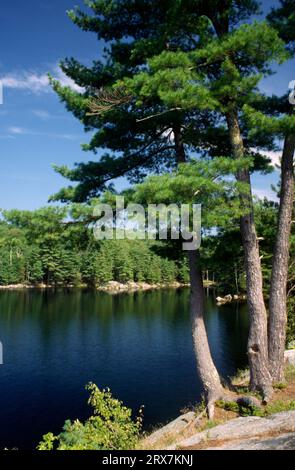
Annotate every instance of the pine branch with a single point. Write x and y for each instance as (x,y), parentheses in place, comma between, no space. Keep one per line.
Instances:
(105,100)
(152,116)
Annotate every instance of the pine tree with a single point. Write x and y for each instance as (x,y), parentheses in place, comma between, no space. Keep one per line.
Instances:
(123,264)
(223,75)
(34,265)
(104,265)
(168,271)
(192,66)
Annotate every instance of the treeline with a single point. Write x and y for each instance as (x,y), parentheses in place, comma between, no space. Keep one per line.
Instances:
(59,254)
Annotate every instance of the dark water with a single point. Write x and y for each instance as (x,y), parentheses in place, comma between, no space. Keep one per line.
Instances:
(137,344)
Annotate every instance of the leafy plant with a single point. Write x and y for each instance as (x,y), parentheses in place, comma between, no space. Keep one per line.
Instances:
(111,427)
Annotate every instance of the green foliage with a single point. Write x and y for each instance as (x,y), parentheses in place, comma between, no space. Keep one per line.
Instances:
(228,405)
(200,407)
(278,407)
(272,408)
(280,385)
(111,427)
(239,408)
(168,271)
(180,65)
(291,320)
(36,250)
(183,271)
(34,265)
(283,19)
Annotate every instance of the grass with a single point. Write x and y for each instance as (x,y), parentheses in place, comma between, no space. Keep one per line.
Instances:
(210,423)
(237,408)
(280,386)
(276,406)
(242,376)
(200,407)
(279,406)
(290,373)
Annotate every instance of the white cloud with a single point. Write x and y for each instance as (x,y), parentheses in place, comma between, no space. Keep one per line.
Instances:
(40,113)
(37,82)
(17,130)
(265,193)
(66,81)
(275,157)
(20,131)
(27,81)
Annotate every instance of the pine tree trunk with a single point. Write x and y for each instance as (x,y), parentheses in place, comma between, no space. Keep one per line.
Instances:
(179,147)
(279,277)
(260,378)
(205,365)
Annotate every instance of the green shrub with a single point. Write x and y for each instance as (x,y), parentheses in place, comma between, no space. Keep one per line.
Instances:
(272,408)
(168,270)
(280,385)
(111,427)
(291,320)
(183,271)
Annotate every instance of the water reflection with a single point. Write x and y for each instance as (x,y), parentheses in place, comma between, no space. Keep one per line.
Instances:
(139,344)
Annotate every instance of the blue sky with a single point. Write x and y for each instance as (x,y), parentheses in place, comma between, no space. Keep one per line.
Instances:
(35,129)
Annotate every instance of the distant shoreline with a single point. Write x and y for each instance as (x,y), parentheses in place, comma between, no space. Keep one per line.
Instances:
(110,287)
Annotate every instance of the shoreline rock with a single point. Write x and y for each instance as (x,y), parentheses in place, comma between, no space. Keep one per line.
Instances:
(230,298)
(170,430)
(111,287)
(239,432)
(290,356)
(117,287)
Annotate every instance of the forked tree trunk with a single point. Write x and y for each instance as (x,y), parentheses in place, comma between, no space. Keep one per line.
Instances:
(205,366)
(260,378)
(279,276)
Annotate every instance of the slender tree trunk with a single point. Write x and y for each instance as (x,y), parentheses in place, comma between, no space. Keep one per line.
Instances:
(260,378)
(205,366)
(237,280)
(279,276)
(179,147)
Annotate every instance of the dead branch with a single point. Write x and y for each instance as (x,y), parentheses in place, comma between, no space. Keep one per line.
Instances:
(159,114)
(105,100)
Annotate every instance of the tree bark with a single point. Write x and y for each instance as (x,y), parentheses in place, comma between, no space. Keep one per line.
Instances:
(260,378)
(279,276)
(205,366)
(179,147)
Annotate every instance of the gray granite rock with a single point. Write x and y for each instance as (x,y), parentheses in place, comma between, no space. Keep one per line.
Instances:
(282,442)
(290,356)
(171,429)
(242,429)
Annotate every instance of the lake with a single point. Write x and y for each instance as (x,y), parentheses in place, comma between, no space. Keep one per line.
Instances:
(138,344)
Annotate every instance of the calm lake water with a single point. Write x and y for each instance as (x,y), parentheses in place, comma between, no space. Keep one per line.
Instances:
(137,344)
